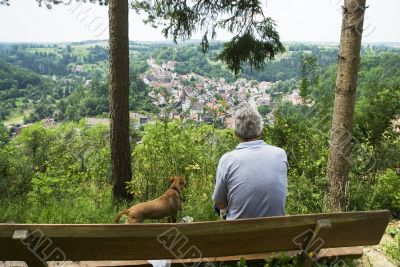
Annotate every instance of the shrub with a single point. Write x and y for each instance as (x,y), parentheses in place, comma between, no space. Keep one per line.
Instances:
(393,248)
(386,193)
(177,148)
(58,174)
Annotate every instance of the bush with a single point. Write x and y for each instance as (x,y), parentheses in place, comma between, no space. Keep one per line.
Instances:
(386,192)
(58,174)
(62,174)
(87,208)
(393,248)
(177,148)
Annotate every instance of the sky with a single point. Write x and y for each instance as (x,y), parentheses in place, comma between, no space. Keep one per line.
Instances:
(297,21)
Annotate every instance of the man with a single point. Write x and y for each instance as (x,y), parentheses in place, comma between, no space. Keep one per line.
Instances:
(252,179)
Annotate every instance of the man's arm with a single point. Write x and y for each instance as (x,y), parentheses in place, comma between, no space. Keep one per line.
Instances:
(220,190)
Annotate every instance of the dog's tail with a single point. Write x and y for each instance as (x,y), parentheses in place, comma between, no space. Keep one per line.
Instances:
(120,214)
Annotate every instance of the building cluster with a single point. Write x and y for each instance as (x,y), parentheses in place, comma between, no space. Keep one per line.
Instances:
(201,98)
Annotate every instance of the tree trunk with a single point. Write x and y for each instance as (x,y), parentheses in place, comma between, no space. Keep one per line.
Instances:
(119,97)
(342,123)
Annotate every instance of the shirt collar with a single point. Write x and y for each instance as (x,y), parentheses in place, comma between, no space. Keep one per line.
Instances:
(250,144)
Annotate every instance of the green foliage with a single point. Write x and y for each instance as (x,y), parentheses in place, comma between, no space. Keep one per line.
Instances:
(14,77)
(190,59)
(140,100)
(18,83)
(185,149)
(308,71)
(57,175)
(50,3)
(85,102)
(48,62)
(307,153)
(3,134)
(285,87)
(255,38)
(393,248)
(248,49)
(264,109)
(96,54)
(288,66)
(283,260)
(242,263)
(379,98)
(43,170)
(68,96)
(40,97)
(376,142)
(386,193)
(61,174)
(304,133)
(72,210)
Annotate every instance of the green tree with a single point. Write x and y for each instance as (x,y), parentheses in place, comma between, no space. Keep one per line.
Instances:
(3,134)
(264,109)
(255,40)
(308,70)
(307,149)
(255,37)
(180,148)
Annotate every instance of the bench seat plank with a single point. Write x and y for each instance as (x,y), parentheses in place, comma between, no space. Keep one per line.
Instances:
(199,239)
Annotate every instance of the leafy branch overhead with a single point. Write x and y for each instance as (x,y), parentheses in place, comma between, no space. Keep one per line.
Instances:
(255,36)
(49,3)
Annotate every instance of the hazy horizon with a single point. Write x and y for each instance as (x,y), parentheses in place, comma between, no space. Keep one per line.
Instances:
(306,21)
(191,41)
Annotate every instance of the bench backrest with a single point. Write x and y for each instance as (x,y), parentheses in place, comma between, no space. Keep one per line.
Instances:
(191,240)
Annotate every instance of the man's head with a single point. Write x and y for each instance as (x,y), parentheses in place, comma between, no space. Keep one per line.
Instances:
(248,123)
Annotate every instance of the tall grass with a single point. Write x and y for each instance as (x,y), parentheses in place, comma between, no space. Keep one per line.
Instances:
(73,210)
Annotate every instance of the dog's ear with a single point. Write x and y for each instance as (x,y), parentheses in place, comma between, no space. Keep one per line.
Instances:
(171,179)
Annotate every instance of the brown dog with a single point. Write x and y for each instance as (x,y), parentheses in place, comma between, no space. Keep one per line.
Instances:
(166,205)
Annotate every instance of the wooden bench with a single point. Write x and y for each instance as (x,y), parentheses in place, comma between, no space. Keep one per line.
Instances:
(192,243)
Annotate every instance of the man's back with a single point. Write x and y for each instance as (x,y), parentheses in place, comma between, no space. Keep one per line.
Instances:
(253,179)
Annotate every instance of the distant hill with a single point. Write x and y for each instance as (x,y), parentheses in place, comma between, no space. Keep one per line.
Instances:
(70,79)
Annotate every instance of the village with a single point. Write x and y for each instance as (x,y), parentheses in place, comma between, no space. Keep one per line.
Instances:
(200,98)
(191,97)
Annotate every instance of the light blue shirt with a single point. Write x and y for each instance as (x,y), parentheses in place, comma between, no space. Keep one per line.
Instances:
(253,180)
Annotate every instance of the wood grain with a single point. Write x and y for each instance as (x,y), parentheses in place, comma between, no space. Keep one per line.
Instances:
(202,239)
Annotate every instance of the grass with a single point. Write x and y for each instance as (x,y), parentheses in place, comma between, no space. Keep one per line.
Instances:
(285,261)
(53,50)
(16,117)
(82,209)
(17,114)
(393,248)
(79,50)
(102,66)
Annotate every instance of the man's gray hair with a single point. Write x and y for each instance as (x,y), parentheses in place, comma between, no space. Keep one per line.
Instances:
(248,122)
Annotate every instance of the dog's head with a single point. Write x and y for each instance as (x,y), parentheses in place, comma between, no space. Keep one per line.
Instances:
(177,181)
